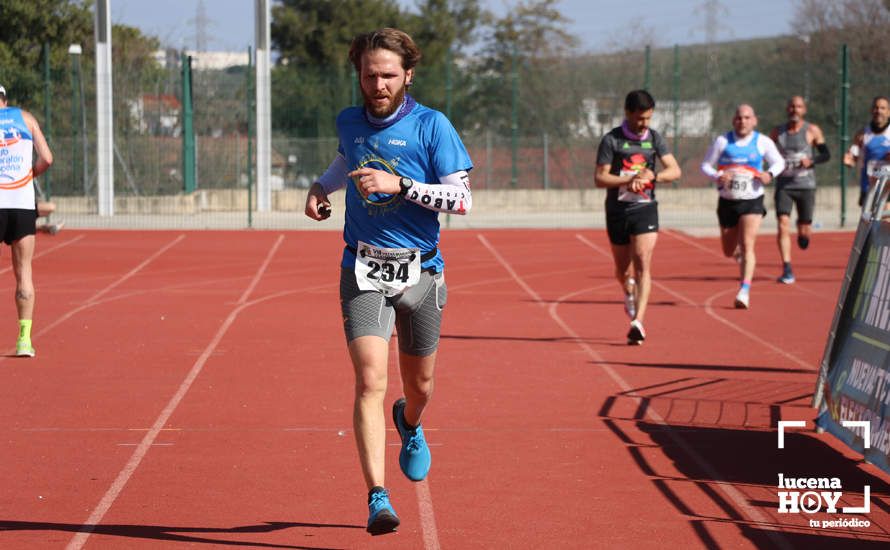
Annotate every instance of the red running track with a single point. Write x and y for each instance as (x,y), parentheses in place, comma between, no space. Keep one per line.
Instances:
(193,390)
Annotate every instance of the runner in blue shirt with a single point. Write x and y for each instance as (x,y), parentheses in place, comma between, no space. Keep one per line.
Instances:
(401,164)
(872,145)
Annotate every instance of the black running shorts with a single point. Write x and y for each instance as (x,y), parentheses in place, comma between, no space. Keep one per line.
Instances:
(16,223)
(803,199)
(729,211)
(635,219)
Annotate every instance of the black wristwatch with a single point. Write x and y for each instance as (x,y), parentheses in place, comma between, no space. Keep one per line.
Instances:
(405,184)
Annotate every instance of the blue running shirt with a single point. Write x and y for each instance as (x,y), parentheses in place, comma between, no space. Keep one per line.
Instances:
(747,156)
(875,146)
(423,146)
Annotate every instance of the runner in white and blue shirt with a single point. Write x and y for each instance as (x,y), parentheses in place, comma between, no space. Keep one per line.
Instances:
(20,137)
(402,164)
(735,162)
(872,144)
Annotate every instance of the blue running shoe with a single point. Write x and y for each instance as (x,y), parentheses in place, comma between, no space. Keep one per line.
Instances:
(414,458)
(382,519)
(787,276)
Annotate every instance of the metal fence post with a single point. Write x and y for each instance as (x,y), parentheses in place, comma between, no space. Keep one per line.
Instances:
(676,94)
(488,158)
(647,68)
(250,115)
(546,161)
(844,138)
(514,123)
(188,132)
(353,88)
(47,116)
(79,106)
(448,84)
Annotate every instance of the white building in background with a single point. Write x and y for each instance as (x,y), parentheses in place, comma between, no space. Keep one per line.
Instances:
(156,114)
(694,118)
(202,60)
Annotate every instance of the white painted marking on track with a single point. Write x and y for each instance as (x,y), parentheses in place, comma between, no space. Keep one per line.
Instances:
(79,539)
(44,252)
(709,309)
(422,489)
(733,494)
(427,517)
(95,297)
(796,286)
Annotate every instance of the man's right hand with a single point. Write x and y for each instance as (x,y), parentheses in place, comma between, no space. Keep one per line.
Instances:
(317,205)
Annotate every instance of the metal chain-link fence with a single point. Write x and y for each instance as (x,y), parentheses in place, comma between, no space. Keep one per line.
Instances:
(529,124)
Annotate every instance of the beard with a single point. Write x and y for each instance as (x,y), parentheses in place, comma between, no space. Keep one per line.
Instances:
(383,112)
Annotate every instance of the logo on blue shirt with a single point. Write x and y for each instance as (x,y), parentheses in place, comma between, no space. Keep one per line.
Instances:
(377,163)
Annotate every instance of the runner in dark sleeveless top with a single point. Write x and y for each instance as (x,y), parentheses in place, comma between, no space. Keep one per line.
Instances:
(625,166)
(802,145)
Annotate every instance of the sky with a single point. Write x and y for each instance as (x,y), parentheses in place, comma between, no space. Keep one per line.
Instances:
(601,25)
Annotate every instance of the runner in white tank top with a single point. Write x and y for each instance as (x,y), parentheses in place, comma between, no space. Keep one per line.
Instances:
(20,135)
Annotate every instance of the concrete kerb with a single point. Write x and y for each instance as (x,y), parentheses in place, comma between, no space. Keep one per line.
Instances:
(687,209)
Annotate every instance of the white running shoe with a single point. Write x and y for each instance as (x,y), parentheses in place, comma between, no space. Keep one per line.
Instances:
(742,299)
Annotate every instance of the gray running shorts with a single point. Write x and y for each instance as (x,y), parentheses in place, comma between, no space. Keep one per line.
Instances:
(804,199)
(416,313)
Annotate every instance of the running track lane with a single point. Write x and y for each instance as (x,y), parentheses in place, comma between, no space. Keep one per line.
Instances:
(534,445)
(709,408)
(244,446)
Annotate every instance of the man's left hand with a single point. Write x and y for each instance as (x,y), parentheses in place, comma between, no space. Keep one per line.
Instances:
(369,180)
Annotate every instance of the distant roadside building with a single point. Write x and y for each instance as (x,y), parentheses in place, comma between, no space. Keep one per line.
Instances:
(694,118)
(157,115)
(202,61)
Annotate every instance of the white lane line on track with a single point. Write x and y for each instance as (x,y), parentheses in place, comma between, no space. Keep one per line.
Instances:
(796,286)
(422,489)
(709,309)
(79,539)
(95,297)
(734,495)
(427,517)
(44,252)
(98,295)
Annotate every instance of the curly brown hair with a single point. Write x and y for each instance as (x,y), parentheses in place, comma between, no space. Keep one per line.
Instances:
(390,39)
